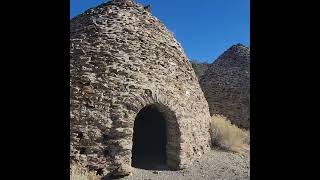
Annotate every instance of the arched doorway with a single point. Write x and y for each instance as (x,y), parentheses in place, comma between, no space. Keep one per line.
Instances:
(150,139)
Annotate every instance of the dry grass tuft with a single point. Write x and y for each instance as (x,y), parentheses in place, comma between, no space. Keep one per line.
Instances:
(79,173)
(228,136)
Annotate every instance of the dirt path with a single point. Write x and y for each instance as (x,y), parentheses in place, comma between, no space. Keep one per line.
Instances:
(216,165)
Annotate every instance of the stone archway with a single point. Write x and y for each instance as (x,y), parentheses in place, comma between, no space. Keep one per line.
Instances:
(155,139)
(149,139)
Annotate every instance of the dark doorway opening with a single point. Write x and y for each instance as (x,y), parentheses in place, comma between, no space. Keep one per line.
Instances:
(149,140)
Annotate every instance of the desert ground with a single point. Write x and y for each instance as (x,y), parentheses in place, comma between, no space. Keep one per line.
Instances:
(217,165)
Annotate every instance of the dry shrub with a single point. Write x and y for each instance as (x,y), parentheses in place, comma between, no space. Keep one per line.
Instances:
(228,136)
(79,173)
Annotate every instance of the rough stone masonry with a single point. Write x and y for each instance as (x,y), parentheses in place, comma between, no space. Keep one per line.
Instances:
(123,59)
(226,85)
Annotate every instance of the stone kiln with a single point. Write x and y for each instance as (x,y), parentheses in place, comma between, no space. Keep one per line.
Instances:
(226,85)
(127,70)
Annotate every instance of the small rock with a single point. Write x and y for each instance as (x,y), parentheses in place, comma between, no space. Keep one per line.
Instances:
(155,172)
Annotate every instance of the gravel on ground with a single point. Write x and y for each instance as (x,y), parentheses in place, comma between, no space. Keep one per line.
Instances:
(215,165)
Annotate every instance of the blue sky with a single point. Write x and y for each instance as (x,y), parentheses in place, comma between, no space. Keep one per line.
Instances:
(205,28)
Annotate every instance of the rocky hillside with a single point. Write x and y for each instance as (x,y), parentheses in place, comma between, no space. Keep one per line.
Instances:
(226,85)
(199,68)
